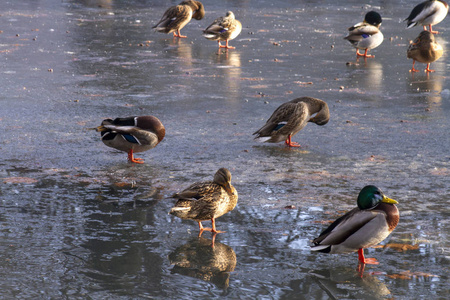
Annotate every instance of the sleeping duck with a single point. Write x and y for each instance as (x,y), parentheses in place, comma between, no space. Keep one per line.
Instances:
(223,29)
(290,117)
(366,35)
(429,13)
(176,17)
(364,226)
(424,49)
(132,134)
(208,200)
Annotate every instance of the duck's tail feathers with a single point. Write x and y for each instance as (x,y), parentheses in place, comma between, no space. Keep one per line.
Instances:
(410,24)
(321,248)
(262,139)
(209,35)
(175,210)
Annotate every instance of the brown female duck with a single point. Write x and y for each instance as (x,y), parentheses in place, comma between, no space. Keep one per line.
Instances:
(176,17)
(208,200)
(290,117)
(424,49)
(223,29)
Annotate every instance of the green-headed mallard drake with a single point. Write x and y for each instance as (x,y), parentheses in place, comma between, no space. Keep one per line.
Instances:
(176,17)
(132,134)
(208,200)
(223,29)
(366,35)
(429,13)
(424,49)
(364,226)
(290,117)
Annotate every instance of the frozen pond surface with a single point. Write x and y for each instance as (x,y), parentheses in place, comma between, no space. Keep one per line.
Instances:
(77,221)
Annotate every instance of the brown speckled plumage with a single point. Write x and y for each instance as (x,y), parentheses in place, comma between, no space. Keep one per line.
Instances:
(223,29)
(176,17)
(424,49)
(206,200)
(290,117)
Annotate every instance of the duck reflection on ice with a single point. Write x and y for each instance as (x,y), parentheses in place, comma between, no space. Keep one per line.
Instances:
(367,75)
(340,283)
(202,258)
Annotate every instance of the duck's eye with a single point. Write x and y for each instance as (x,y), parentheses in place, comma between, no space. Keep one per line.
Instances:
(377,195)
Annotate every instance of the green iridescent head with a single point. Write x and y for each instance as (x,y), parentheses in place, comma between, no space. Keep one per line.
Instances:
(370,196)
(373,18)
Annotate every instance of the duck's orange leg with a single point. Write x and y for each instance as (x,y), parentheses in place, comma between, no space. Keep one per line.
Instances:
(214,230)
(428,68)
(365,54)
(431,30)
(200,226)
(131,158)
(363,260)
(412,69)
(226,46)
(290,143)
(178,34)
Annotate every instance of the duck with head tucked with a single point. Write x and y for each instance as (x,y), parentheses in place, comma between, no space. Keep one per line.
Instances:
(290,117)
(176,17)
(223,29)
(424,49)
(366,35)
(208,200)
(364,226)
(428,13)
(132,134)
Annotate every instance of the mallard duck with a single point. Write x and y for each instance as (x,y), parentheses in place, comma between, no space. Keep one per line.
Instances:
(208,200)
(132,134)
(366,35)
(429,13)
(364,226)
(176,17)
(223,29)
(424,49)
(290,117)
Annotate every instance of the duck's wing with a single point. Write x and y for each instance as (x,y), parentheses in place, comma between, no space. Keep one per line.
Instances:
(204,191)
(173,18)
(200,200)
(360,31)
(344,227)
(284,120)
(217,27)
(415,45)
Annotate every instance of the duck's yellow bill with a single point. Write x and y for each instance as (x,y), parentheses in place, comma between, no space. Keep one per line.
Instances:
(389,200)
